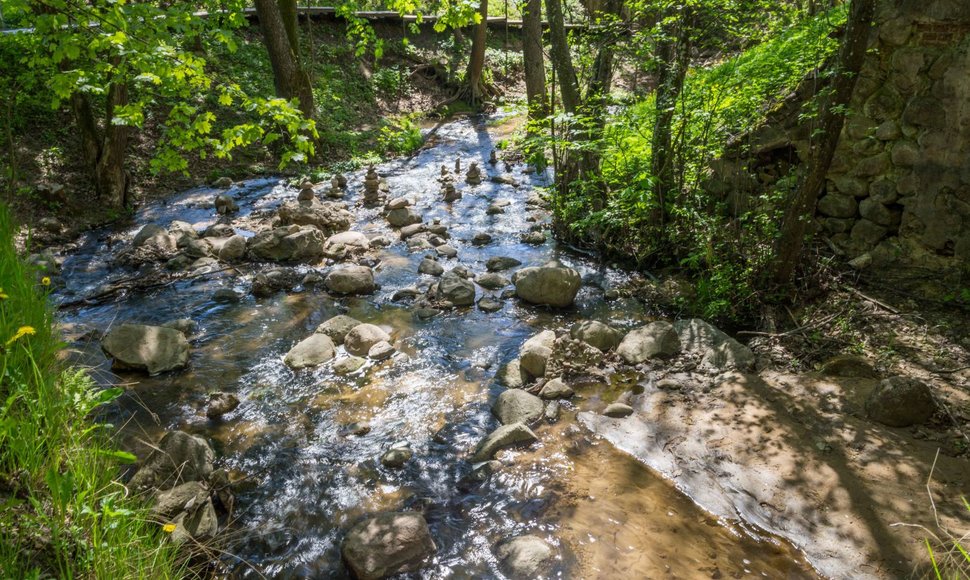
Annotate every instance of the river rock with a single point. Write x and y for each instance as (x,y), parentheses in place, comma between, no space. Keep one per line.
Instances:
(596,334)
(270,282)
(572,357)
(226,296)
(338,327)
(517,406)
(156,236)
(556,389)
(328,217)
(222,182)
(233,249)
(225,204)
(730,354)
(618,410)
(154,349)
(499,263)
(481,239)
(381,351)
(456,289)
(492,281)
(310,352)
(178,458)
(504,436)
(533,238)
(169,503)
(489,304)
(657,339)
(511,375)
(430,267)
(351,280)
(221,404)
(402,217)
(525,557)
(396,458)
(551,285)
(362,337)
(339,245)
(718,350)
(479,476)
(397,203)
(218,230)
(388,544)
(900,402)
(535,353)
(184,325)
(286,244)
(350,364)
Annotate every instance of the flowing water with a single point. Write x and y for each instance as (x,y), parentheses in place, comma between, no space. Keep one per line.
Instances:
(308,477)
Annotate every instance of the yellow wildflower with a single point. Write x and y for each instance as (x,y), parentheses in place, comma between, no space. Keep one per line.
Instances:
(3,295)
(21,332)
(46,281)
(168,528)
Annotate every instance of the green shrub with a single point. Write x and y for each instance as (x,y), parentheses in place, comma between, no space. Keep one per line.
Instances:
(401,135)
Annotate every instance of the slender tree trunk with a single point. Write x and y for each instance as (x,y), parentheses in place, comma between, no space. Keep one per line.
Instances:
(288,15)
(290,80)
(561,59)
(597,93)
(533,59)
(111,179)
(673,53)
(476,63)
(87,128)
(802,209)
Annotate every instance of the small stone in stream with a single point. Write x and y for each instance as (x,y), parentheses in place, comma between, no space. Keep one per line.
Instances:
(397,203)
(381,351)
(310,352)
(380,242)
(449,193)
(533,238)
(396,457)
(221,404)
(411,230)
(154,349)
(222,182)
(348,365)
(403,216)
(179,262)
(455,288)
(178,458)
(312,278)
(225,204)
(511,375)
(462,271)
(556,389)
(481,239)
(501,438)
(233,249)
(446,251)
(535,353)
(551,414)
(525,557)
(492,157)
(551,285)
(306,194)
(479,476)
(387,545)
(430,267)
(351,280)
(338,327)
(356,429)
(405,294)
(618,410)
(424,313)
(341,180)
(492,281)
(219,230)
(335,192)
(474,175)
(517,406)
(489,304)
(494,209)
(596,334)
(170,503)
(184,325)
(900,402)
(226,296)
(362,337)
(499,263)
(436,240)
(372,185)
(457,165)
(611,294)
(419,244)
(669,385)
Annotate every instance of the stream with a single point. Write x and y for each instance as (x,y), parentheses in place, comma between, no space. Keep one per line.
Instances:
(309,478)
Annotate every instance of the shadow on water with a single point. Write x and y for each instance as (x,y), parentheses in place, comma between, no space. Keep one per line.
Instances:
(311,479)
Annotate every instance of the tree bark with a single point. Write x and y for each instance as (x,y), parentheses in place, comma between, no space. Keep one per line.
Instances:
(289,78)
(561,59)
(288,15)
(533,59)
(852,54)
(476,62)
(111,179)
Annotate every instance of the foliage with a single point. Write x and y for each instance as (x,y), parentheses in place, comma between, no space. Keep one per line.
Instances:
(65,516)
(728,251)
(401,135)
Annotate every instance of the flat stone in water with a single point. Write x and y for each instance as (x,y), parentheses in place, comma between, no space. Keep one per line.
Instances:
(490,305)
(499,263)
(396,458)
(504,436)
(348,365)
(618,410)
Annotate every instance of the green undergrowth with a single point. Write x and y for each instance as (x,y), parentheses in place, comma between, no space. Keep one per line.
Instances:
(725,253)
(62,514)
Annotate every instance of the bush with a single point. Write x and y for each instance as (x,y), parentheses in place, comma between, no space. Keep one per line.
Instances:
(401,135)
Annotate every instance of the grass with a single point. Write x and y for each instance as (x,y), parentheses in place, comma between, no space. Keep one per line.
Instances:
(63,513)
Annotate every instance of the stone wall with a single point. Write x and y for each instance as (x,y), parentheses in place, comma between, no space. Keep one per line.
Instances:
(898,193)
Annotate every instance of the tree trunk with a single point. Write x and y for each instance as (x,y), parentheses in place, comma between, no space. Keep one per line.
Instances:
(290,80)
(802,209)
(476,63)
(533,59)
(111,179)
(288,15)
(561,59)
(673,53)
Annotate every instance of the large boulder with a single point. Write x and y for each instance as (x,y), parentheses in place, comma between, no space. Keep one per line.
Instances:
(155,236)
(340,245)
(525,557)
(535,353)
(362,337)
(155,349)
(657,339)
(456,289)
(551,285)
(310,352)
(328,217)
(178,458)
(517,406)
(718,350)
(403,216)
(169,503)
(504,436)
(338,327)
(293,243)
(233,249)
(596,334)
(388,544)
(900,402)
(351,280)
